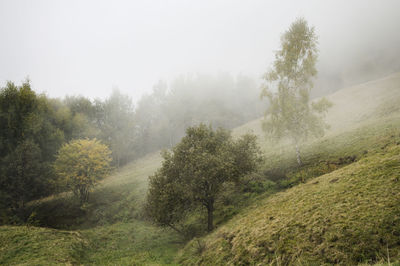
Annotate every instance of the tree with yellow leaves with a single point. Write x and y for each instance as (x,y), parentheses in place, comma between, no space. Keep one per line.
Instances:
(81,164)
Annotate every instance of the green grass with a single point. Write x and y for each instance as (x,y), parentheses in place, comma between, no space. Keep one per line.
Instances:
(131,243)
(332,152)
(341,206)
(22,245)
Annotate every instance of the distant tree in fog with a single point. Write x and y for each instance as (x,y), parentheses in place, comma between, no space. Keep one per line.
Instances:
(115,120)
(162,117)
(291,114)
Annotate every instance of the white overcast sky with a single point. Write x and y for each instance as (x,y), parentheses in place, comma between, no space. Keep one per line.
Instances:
(89,47)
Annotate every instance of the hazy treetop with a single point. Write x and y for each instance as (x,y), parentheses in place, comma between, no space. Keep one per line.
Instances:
(89,47)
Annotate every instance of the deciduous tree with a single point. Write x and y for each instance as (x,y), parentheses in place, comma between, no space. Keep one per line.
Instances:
(81,164)
(288,84)
(194,172)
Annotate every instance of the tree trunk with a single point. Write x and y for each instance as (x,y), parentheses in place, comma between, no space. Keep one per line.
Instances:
(210,217)
(176,229)
(298,155)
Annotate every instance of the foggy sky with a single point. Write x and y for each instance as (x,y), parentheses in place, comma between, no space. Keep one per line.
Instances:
(89,47)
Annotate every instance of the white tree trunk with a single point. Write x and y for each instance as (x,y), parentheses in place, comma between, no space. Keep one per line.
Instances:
(298,155)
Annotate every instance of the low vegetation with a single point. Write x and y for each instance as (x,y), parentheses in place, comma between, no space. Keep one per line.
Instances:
(27,245)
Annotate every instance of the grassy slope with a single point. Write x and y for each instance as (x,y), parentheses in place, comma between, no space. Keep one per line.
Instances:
(349,215)
(112,231)
(362,118)
(116,233)
(39,246)
(111,224)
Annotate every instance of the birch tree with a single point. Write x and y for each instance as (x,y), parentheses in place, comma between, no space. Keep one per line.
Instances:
(288,84)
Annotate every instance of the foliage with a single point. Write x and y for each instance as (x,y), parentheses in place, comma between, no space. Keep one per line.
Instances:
(22,176)
(159,120)
(79,117)
(29,138)
(193,174)
(290,112)
(162,116)
(81,164)
(115,120)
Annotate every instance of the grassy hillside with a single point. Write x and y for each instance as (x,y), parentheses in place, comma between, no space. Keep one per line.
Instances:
(130,243)
(363,118)
(24,245)
(346,211)
(112,223)
(107,231)
(349,216)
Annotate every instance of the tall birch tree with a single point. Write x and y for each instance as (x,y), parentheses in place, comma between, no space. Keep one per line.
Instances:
(288,84)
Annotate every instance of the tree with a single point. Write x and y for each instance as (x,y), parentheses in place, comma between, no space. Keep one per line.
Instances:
(81,164)
(194,173)
(291,114)
(29,139)
(162,116)
(23,174)
(80,118)
(116,123)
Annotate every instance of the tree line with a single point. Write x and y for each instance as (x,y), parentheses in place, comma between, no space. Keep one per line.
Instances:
(33,127)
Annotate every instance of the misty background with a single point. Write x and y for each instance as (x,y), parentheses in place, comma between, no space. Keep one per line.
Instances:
(90,47)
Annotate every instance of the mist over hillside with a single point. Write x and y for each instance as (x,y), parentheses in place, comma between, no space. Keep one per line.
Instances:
(199,132)
(88,48)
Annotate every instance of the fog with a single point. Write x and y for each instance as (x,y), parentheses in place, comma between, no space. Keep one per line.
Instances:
(90,47)
(198,132)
